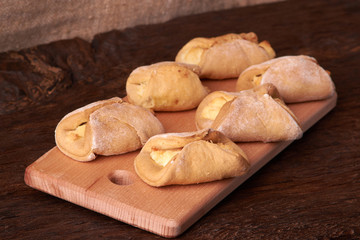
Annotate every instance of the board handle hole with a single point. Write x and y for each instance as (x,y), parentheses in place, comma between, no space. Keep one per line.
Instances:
(121,177)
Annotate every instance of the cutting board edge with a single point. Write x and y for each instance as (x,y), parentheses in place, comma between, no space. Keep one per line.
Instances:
(332,101)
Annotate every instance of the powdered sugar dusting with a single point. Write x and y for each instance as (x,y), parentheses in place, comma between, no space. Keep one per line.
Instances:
(254,118)
(120,116)
(298,78)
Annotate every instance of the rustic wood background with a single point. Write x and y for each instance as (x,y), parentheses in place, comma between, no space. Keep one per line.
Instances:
(309,191)
(27,23)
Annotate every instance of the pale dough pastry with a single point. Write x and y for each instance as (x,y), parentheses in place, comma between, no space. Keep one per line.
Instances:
(297,78)
(225,56)
(166,86)
(105,127)
(210,106)
(256,114)
(188,158)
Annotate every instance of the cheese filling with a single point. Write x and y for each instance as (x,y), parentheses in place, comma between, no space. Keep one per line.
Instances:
(141,88)
(213,108)
(194,56)
(79,132)
(257,79)
(163,157)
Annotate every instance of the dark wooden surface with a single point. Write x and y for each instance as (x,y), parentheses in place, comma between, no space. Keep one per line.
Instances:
(309,191)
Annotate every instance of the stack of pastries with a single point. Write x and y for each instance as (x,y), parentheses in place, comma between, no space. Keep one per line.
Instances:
(255,111)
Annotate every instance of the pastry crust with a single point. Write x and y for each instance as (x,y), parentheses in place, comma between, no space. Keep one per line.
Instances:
(105,127)
(225,56)
(166,86)
(200,156)
(257,114)
(297,78)
(210,106)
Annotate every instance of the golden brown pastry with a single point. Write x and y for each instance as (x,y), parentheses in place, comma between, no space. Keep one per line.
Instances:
(225,56)
(256,114)
(166,86)
(187,158)
(297,78)
(105,127)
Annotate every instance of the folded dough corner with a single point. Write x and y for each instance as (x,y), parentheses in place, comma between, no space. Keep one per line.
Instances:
(106,127)
(225,56)
(189,158)
(257,114)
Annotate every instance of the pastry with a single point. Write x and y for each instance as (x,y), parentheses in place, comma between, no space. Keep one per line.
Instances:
(210,106)
(166,86)
(225,56)
(105,127)
(188,158)
(256,114)
(297,78)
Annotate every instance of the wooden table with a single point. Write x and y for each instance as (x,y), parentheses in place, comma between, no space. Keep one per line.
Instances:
(309,191)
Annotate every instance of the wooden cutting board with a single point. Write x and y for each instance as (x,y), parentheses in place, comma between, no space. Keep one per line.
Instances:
(109,185)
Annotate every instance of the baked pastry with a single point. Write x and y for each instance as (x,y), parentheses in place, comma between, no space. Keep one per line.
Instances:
(188,158)
(166,86)
(297,78)
(225,56)
(210,106)
(256,114)
(105,127)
